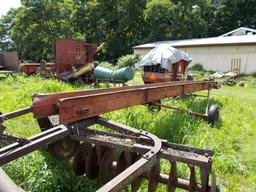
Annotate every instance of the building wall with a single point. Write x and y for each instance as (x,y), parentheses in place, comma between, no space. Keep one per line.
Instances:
(220,58)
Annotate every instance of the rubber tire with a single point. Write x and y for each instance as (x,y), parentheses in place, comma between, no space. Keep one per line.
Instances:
(213,114)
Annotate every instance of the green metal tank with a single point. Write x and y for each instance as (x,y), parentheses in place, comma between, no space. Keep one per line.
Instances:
(124,74)
(102,73)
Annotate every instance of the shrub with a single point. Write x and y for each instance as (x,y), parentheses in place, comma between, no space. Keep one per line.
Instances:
(108,65)
(127,60)
(197,67)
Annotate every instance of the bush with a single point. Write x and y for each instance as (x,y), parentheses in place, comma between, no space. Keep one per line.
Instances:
(254,74)
(127,60)
(106,64)
(197,67)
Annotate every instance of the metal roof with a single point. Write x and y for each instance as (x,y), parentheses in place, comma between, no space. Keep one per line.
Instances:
(240,31)
(221,40)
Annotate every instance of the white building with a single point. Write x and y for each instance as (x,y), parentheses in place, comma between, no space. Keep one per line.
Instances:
(235,50)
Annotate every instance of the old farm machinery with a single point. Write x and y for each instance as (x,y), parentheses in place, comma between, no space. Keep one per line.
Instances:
(73,62)
(118,154)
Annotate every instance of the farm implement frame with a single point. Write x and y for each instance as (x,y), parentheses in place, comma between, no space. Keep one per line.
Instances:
(118,154)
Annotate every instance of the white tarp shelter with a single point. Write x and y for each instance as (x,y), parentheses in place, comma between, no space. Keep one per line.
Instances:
(164,55)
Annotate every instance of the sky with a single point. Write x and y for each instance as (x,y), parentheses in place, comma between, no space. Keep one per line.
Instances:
(5,5)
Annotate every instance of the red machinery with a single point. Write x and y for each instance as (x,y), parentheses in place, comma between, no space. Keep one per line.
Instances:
(70,56)
(125,155)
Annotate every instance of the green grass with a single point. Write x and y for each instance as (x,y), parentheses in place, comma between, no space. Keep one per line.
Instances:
(233,138)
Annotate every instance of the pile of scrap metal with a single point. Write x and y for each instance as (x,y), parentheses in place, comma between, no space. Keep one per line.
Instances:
(73,62)
(122,156)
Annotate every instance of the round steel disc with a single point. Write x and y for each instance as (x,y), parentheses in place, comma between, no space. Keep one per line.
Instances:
(121,163)
(100,150)
(79,159)
(153,177)
(91,164)
(106,168)
(63,148)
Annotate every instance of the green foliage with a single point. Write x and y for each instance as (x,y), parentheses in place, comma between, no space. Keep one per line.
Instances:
(31,28)
(118,23)
(175,19)
(254,74)
(127,60)
(197,67)
(231,14)
(232,138)
(159,17)
(108,65)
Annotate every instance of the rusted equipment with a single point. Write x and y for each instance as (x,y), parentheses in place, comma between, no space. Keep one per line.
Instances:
(152,74)
(93,102)
(70,58)
(73,62)
(9,61)
(32,68)
(164,63)
(66,120)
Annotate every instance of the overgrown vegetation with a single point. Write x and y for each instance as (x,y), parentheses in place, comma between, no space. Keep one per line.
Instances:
(197,67)
(233,138)
(31,28)
(127,61)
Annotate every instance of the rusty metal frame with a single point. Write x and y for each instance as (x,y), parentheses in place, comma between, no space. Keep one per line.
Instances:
(150,146)
(16,150)
(205,114)
(15,114)
(81,105)
(77,111)
(173,152)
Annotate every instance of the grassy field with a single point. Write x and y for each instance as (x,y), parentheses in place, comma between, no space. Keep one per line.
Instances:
(233,138)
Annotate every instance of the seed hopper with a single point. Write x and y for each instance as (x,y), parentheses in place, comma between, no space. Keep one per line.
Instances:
(120,155)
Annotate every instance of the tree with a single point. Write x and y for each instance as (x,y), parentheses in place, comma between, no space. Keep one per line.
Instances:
(159,16)
(231,14)
(33,27)
(118,23)
(6,44)
(175,20)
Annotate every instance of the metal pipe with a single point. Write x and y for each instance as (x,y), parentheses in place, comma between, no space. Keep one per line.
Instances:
(15,114)
(179,109)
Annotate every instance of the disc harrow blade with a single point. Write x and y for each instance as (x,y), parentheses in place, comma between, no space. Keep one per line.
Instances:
(64,148)
(100,150)
(91,164)
(106,168)
(79,160)
(121,163)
